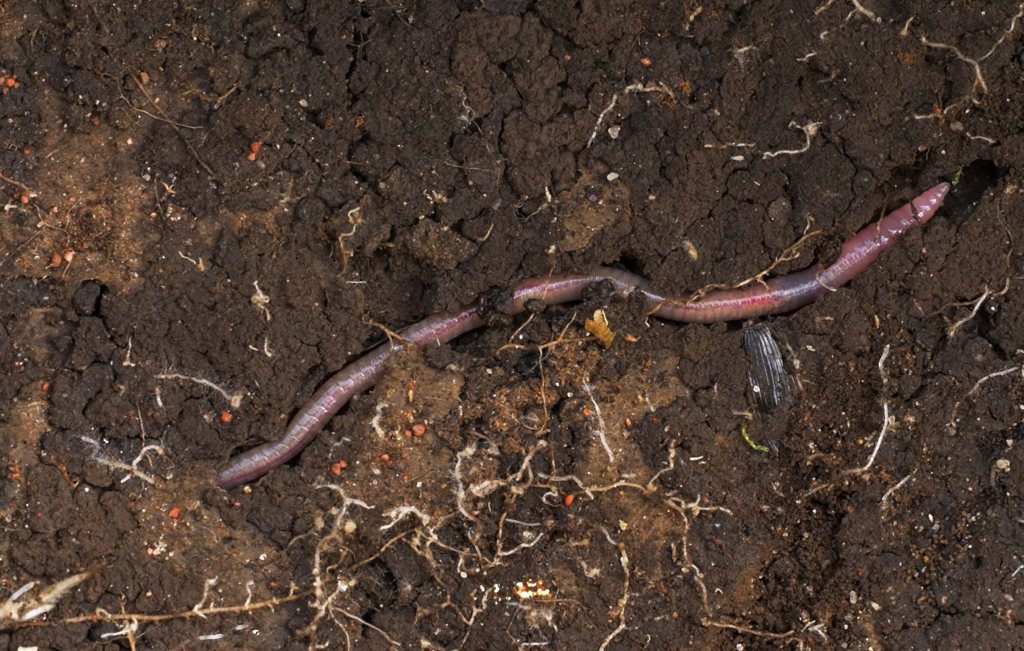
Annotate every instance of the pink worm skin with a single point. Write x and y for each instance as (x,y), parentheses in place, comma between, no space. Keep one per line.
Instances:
(777,295)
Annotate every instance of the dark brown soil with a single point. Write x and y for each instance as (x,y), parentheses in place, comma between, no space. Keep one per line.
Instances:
(241,195)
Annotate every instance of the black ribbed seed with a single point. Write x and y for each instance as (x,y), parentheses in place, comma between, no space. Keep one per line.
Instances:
(770,384)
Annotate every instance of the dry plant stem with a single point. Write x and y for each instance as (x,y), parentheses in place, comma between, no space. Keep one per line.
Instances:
(694,508)
(680,507)
(541,429)
(791,253)
(19,248)
(859,8)
(774,296)
(881,436)
(260,300)
(669,465)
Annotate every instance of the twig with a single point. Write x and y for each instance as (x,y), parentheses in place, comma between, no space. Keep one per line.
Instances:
(858,8)
(791,253)
(20,247)
(540,429)
(326,604)
(398,514)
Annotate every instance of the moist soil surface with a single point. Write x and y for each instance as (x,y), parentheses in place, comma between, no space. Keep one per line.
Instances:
(209,210)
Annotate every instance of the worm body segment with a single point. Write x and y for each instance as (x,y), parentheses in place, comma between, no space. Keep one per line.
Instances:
(777,295)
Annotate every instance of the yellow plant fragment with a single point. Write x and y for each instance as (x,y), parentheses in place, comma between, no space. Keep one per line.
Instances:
(598,326)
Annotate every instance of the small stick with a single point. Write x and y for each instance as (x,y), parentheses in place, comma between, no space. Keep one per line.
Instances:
(132,469)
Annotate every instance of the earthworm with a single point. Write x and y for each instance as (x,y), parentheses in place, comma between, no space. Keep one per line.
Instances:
(774,296)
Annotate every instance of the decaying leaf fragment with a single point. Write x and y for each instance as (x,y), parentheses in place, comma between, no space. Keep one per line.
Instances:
(598,326)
